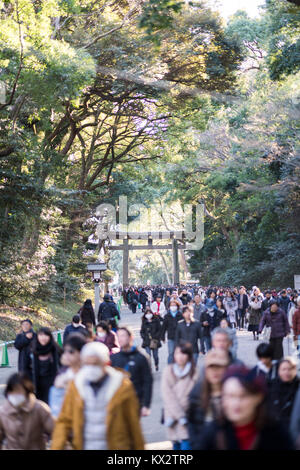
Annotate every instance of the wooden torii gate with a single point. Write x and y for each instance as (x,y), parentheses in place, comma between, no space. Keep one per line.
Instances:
(177,243)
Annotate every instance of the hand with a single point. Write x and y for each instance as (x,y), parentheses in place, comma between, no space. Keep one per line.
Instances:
(145,411)
(29,335)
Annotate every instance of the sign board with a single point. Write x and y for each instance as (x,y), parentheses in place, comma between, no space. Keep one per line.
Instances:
(96,267)
(297,281)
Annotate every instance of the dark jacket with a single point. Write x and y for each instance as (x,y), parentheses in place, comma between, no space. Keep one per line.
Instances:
(137,364)
(107,310)
(245,302)
(281,399)
(196,415)
(188,333)
(87,315)
(213,321)
(22,344)
(185,299)
(150,330)
(169,325)
(265,304)
(284,302)
(271,375)
(43,381)
(277,321)
(221,436)
(143,298)
(73,329)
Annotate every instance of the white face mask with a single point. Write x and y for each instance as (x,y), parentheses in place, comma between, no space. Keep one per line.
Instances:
(148,316)
(16,399)
(173,308)
(92,373)
(101,334)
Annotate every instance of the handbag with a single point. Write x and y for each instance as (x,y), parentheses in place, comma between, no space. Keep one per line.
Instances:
(153,343)
(266,333)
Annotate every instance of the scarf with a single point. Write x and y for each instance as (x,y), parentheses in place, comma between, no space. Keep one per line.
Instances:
(41,350)
(178,372)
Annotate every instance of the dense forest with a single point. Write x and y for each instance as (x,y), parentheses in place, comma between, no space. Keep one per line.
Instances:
(158,100)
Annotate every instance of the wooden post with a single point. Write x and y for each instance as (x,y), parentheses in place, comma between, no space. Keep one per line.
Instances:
(175,261)
(125,263)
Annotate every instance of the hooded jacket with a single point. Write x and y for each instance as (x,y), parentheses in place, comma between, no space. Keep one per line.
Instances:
(123,430)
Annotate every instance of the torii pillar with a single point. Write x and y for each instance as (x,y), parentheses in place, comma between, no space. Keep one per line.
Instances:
(175,261)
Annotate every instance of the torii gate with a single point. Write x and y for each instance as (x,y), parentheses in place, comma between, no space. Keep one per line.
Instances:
(175,237)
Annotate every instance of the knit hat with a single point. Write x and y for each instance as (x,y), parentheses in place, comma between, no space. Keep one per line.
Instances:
(216,357)
(95,349)
(247,377)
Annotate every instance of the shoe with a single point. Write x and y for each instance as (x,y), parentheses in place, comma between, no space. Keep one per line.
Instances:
(156,368)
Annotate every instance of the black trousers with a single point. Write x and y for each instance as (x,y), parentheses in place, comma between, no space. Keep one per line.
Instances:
(276,343)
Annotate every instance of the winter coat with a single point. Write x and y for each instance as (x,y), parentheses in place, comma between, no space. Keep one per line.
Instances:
(212,322)
(169,325)
(111,341)
(150,330)
(221,436)
(87,315)
(245,302)
(107,310)
(154,308)
(175,394)
(143,298)
(196,414)
(137,364)
(42,383)
(188,333)
(123,431)
(198,309)
(22,344)
(296,322)
(73,329)
(281,397)
(231,307)
(277,321)
(24,428)
(284,303)
(255,312)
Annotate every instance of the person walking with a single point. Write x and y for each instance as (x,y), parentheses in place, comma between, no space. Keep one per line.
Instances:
(70,361)
(22,344)
(100,408)
(232,334)
(243,304)
(231,306)
(170,321)
(87,314)
(205,397)
(275,318)
(189,331)
(107,309)
(245,423)
(151,335)
(266,366)
(254,315)
(74,327)
(25,422)
(108,337)
(177,381)
(137,364)
(282,391)
(45,361)
(158,307)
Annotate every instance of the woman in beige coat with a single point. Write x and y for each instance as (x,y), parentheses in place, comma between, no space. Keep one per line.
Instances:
(178,379)
(24,420)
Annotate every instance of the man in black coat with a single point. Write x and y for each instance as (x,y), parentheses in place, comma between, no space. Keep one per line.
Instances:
(188,330)
(243,304)
(283,301)
(132,360)
(267,300)
(107,309)
(22,344)
(74,327)
(185,297)
(169,326)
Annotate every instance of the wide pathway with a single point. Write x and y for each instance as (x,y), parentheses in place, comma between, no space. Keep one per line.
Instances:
(154,431)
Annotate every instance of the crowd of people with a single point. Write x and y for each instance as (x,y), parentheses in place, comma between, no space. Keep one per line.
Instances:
(93,392)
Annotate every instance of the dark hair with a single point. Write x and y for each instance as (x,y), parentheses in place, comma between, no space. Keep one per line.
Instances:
(187,348)
(254,385)
(265,350)
(274,302)
(76,318)
(112,323)
(103,325)
(28,320)
(75,341)
(45,331)
(185,308)
(19,379)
